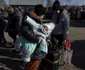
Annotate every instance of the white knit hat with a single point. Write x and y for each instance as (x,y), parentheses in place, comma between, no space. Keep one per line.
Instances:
(50,26)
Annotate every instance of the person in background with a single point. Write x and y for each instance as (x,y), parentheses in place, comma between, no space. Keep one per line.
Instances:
(14,20)
(2,27)
(61,20)
(78,13)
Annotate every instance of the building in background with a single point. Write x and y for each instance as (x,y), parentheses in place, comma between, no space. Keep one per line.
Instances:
(25,2)
(30,2)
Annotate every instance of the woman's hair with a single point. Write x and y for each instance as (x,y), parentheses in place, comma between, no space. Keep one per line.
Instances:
(39,10)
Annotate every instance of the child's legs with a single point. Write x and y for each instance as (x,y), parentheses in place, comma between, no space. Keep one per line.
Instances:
(27,50)
(26,57)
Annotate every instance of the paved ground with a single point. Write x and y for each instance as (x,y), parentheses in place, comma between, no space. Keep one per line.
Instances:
(10,61)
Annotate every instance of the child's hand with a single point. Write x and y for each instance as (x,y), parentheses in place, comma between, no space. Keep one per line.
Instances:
(40,38)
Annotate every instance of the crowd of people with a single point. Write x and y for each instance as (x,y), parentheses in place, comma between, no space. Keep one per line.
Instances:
(76,12)
(34,35)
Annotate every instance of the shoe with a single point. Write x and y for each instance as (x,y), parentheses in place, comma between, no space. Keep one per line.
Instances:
(22,65)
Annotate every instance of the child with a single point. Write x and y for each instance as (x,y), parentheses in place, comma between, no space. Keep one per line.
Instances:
(28,47)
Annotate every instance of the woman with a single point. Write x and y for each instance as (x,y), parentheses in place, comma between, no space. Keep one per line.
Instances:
(36,15)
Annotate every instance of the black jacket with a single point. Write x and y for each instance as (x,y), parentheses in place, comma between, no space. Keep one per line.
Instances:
(14,20)
(26,32)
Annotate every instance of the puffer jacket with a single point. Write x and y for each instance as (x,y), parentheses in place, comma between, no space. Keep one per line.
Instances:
(27,43)
(28,47)
(14,20)
(62,23)
(25,28)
